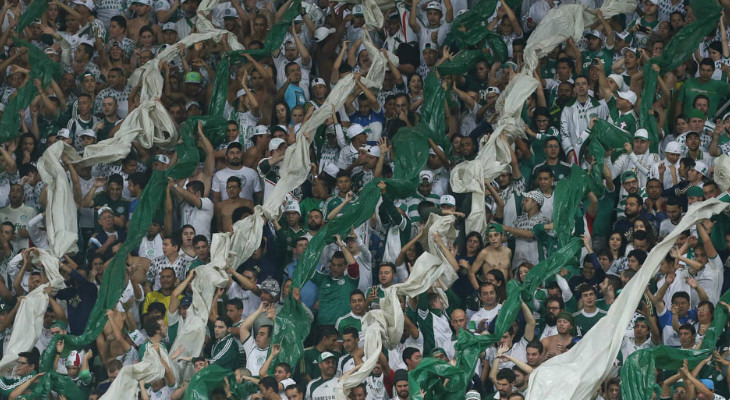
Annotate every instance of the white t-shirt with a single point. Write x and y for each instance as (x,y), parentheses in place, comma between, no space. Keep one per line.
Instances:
(165,393)
(151,249)
(478,316)
(250,182)
(255,357)
(250,300)
(199,218)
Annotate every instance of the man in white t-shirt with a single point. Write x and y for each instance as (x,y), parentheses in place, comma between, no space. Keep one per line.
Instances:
(434,31)
(19,214)
(195,209)
(250,181)
(481,319)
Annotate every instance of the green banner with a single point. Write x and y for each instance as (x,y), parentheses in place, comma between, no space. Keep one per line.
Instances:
(638,379)
(43,69)
(34,11)
(679,49)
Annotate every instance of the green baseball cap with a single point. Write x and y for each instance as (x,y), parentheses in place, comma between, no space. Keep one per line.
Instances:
(695,191)
(695,113)
(495,228)
(628,175)
(193,77)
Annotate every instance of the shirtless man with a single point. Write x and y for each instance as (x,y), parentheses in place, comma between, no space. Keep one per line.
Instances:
(494,256)
(224,209)
(142,9)
(558,344)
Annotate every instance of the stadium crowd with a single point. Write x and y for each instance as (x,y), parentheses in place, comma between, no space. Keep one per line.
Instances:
(99,43)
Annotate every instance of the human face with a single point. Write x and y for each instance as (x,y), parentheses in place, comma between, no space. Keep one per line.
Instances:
(233,189)
(315,221)
(458,320)
(488,296)
(504,387)
(641,330)
(293,394)
(23,367)
(564,326)
(706,72)
(385,276)
(589,298)
(693,141)
(545,181)
(344,184)
(358,393)
(415,85)
(234,157)
(581,87)
(327,368)
(263,337)
(357,304)
(495,239)
(631,185)
(401,388)
(654,189)
(147,39)
(297,116)
(630,59)
(640,146)
(349,341)
(686,338)
(337,267)
(613,390)
(220,329)
(168,249)
(467,147)
(682,306)
(109,107)
(199,365)
(167,279)
(533,356)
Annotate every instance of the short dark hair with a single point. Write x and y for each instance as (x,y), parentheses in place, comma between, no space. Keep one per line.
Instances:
(239,212)
(639,254)
(535,344)
(116,178)
(32,356)
(234,179)
(688,327)
(506,373)
(138,178)
(269,382)
(235,303)
(294,387)
(157,306)
(152,326)
(200,238)
(680,295)
(637,197)
(351,330)
(175,240)
(357,292)
(197,186)
(707,61)
(225,320)
(408,352)
(327,331)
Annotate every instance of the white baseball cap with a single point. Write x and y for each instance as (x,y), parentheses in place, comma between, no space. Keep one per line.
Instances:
(628,95)
(230,13)
(261,130)
(448,200)
(426,175)
(169,26)
(322,32)
(674,148)
(145,2)
(275,143)
(356,129)
(641,133)
(293,206)
(701,168)
(318,81)
(357,10)
(372,150)
(88,132)
(619,81)
(331,170)
(64,133)
(162,158)
(434,5)
(86,3)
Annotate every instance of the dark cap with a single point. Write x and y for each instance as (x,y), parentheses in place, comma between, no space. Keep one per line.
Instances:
(400,375)
(186,301)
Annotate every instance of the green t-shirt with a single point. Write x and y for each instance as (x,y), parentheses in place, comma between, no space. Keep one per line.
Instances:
(119,207)
(583,322)
(605,54)
(713,89)
(331,204)
(625,121)
(308,362)
(331,292)
(143,348)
